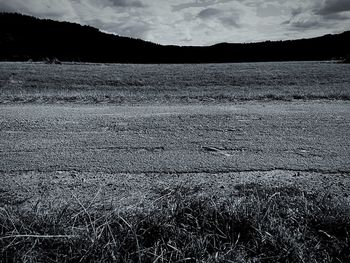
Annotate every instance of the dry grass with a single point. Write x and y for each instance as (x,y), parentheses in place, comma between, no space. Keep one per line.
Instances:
(259,224)
(126,84)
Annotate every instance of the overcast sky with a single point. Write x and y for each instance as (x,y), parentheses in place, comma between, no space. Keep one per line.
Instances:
(197,22)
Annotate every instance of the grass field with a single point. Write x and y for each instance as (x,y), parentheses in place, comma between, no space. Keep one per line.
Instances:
(139,84)
(175,163)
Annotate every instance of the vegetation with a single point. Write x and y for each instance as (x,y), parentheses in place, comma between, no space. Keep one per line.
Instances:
(143,84)
(258,224)
(24,38)
(347,59)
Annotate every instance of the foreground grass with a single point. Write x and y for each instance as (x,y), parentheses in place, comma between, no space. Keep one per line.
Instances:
(257,224)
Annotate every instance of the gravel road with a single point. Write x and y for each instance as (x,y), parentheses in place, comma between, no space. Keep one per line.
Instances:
(310,136)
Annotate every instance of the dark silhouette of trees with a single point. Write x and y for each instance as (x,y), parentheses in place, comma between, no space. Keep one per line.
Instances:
(24,37)
(347,59)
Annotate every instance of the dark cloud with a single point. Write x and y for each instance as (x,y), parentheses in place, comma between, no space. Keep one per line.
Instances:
(323,16)
(127,3)
(230,21)
(209,13)
(227,18)
(333,7)
(336,16)
(296,11)
(198,3)
(305,24)
(302,19)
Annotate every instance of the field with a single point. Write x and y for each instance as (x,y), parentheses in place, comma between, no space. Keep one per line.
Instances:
(175,163)
(159,84)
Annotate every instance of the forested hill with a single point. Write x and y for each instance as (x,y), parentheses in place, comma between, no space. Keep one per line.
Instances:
(24,37)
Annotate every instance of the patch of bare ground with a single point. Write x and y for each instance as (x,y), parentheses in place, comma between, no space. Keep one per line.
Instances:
(271,216)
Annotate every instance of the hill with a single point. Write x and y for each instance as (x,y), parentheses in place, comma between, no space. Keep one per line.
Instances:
(24,37)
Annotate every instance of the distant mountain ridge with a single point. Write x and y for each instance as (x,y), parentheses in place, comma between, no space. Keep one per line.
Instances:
(24,37)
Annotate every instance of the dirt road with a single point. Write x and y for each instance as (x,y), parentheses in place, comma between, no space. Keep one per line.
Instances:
(253,136)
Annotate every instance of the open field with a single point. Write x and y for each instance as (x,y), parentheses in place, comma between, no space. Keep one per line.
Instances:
(159,84)
(175,163)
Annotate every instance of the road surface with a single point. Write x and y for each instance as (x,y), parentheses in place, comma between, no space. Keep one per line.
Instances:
(252,136)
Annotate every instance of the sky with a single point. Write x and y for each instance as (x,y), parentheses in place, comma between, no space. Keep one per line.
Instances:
(196,22)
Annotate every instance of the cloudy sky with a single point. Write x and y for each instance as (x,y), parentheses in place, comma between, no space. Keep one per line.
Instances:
(197,22)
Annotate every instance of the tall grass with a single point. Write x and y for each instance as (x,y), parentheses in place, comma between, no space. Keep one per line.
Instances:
(258,224)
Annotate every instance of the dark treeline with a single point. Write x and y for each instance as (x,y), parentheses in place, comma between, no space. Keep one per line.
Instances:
(24,37)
